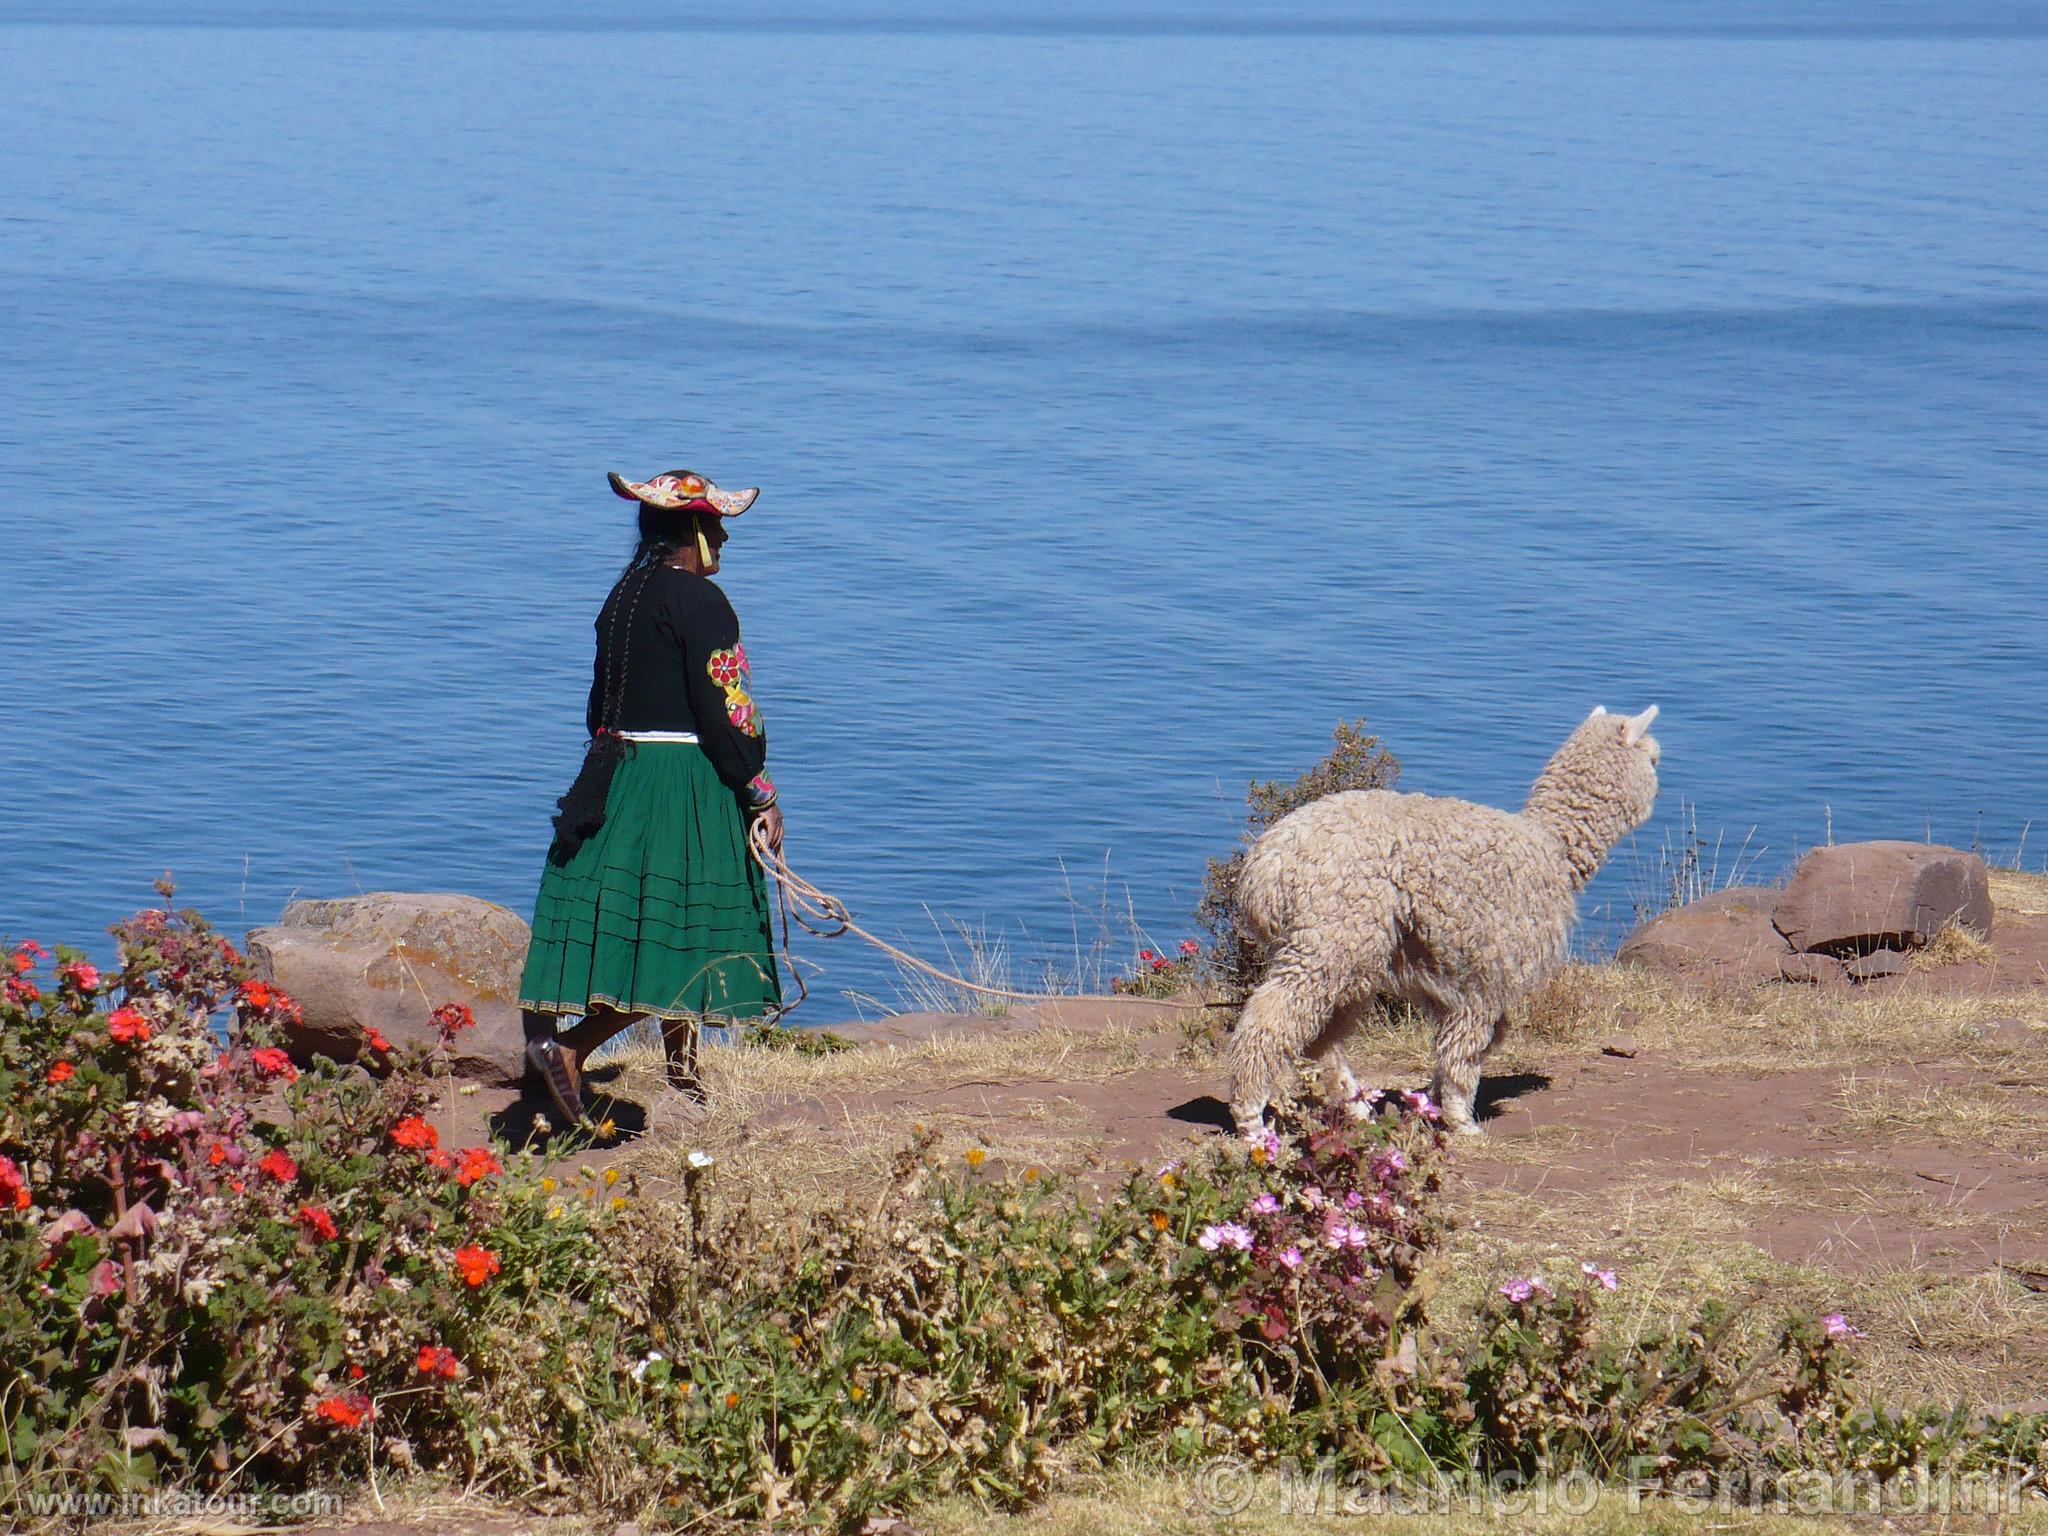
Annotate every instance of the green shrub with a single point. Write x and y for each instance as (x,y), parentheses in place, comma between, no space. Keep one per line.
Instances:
(1356,760)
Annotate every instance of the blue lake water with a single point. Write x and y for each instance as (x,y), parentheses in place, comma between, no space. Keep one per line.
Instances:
(1136,392)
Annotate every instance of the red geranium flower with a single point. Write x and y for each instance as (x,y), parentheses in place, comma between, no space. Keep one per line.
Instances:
(1190,948)
(20,991)
(439,1158)
(475,1265)
(356,1372)
(414,1132)
(279,1165)
(13,1187)
(127,1024)
(348,1409)
(377,1040)
(272,1062)
(216,1154)
(256,994)
(60,1072)
(451,1019)
(478,1163)
(439,1360)
(315,1221)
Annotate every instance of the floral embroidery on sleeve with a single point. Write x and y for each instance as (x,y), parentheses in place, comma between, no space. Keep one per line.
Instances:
(728,669)
(763,788)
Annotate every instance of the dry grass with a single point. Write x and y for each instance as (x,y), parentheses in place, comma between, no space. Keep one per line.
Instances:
(1150,1502)
(1883,1110)
(1767,1029)
(2020,893)
(1954,945)
(875,1098)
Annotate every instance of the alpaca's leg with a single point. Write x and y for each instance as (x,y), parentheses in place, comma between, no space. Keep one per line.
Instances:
(1462,1037)
(1327,1051)
(1285,1012)
(1495,1035)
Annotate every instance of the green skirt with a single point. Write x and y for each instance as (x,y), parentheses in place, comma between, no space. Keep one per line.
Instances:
(664,911)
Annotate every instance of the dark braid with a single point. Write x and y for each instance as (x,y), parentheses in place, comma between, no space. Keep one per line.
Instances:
(581,811)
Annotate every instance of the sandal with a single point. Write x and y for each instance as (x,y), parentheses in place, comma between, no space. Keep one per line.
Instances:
(552,1063)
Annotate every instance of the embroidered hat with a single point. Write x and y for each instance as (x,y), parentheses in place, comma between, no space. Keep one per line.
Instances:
(678,489)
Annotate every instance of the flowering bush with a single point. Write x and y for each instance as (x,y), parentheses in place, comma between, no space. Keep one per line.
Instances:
(220,1267)
(1156,975)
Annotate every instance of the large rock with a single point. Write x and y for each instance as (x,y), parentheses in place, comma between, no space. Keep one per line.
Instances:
(1728,936)
(386,961)
(1855,898)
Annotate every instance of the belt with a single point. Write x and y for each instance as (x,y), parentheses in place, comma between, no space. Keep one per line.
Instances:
(689,736)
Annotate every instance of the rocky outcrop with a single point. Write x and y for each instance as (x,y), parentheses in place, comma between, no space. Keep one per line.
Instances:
(1727,937)
(1859,898)
(1852,912)
(385,961)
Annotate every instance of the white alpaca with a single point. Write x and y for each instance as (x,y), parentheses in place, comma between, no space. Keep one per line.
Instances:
(1457,909)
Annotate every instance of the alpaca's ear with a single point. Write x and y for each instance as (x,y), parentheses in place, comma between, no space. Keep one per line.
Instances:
(1638,726)
(1598,711)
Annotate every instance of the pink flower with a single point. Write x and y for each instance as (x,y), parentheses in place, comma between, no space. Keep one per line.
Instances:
(1345,1234)
(1265,1204)
(1839,1327)
(1264,1139)
(1421,1103)
(1389,1163)
(1519,1291)
(1291,1257)
(1312,1197)
(1226,1234)
(84,977)
(1606,1277)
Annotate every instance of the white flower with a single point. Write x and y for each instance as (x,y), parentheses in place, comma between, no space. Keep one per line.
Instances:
(638,1369)
(701,1159)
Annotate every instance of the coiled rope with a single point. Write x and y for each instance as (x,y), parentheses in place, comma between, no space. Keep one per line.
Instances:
(825,916)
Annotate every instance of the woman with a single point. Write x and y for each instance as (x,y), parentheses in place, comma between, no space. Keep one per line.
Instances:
(650,905)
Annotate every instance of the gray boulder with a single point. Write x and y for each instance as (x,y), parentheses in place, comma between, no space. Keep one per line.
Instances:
(1855,898)
(1727,936)
(385,961)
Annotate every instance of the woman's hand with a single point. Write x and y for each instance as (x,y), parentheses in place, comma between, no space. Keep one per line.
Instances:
(771,824)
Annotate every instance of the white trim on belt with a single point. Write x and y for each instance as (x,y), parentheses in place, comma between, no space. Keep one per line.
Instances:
(689,736)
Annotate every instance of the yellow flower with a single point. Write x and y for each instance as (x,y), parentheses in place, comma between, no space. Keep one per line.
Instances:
(1168,1180)
(618,1202)
(1259,1156)
(856,1393)
(547,1185)
(1030,1175)
(554,1211)
(611,1175)
(608,1128)
(976,1157)
(1159,1220)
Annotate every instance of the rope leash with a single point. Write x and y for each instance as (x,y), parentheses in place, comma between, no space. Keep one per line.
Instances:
(825,916)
